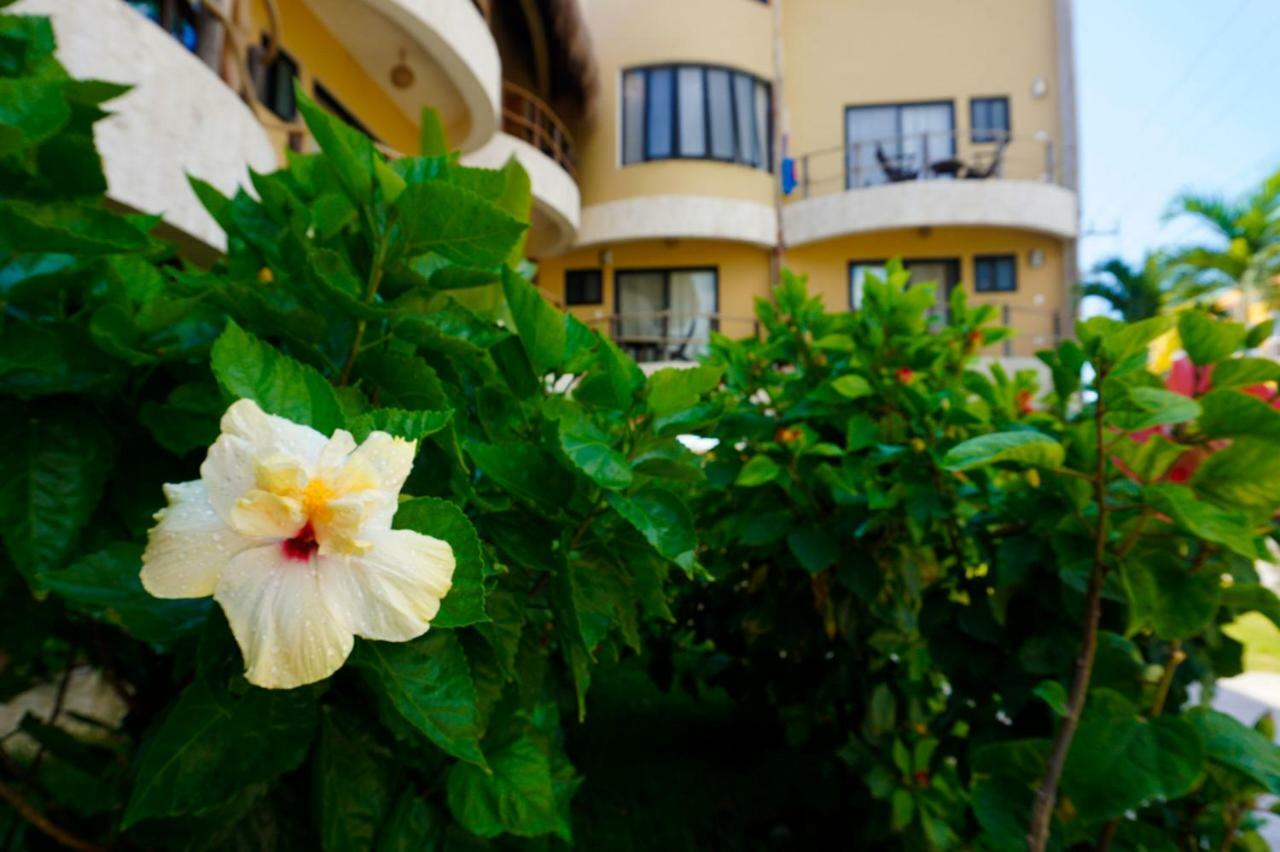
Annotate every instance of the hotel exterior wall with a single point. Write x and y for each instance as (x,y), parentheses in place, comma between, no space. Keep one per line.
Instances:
(859,52)
(733,33)
(743,275)
(1039,291)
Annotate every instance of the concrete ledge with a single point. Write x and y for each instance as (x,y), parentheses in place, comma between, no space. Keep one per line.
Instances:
(1028,205)
(679,217)
(179,119)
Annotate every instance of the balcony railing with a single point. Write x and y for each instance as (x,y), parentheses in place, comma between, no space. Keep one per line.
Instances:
(928,155)
(526,116)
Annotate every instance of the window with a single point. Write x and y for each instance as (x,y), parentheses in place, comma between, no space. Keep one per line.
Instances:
(583,287)
(944,272)
(695,112)
(896,141)
(275,83)
(995,273)
(666,314)
(326,99)
(989,119)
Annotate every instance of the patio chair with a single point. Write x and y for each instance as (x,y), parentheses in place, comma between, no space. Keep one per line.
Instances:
(895,172)
(992,167)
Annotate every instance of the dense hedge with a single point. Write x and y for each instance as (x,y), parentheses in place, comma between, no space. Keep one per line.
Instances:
(898,598)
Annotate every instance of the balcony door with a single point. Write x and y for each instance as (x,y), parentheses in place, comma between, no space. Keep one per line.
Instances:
(666,314)
(896,141)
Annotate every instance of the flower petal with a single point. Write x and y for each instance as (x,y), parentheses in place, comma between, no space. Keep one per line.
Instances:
(392,592)
(278,613)
(249,436)
(381,464)
(189,547)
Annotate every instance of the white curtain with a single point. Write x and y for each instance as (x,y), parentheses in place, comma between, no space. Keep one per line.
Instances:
(693,301)
(641,299)
(926,135)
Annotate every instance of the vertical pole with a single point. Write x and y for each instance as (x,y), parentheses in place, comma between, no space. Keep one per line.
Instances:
(776,132)
(804,174)
(924,156)
(1004,316)
(1050,166)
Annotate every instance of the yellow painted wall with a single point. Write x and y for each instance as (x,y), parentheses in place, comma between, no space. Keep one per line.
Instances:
(629,33)
(1031,307)
(743,275)
(322,57)
(842,53)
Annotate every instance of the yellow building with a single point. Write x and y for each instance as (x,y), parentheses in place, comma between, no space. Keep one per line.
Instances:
(679,150)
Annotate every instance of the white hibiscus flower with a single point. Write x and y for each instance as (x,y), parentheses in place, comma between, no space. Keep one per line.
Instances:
(290,532)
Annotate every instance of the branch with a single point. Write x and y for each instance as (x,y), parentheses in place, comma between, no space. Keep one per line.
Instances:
(46,826)
(1047,794)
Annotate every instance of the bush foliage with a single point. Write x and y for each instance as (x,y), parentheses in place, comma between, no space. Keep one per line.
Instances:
(900,598)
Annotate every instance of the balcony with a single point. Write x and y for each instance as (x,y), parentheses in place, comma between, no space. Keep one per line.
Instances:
(542,144)
(930,179)
(179,119)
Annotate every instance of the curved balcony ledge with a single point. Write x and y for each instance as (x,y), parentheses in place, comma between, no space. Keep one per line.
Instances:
(557,206)
(998,203)
(178,120)
(461,58)
(679,217)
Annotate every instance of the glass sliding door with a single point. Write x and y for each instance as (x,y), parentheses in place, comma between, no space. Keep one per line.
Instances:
(896,141)
(666,314)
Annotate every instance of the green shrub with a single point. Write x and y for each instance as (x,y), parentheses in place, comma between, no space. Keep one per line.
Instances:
(356,294)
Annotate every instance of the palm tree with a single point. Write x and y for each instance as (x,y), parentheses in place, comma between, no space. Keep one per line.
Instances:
(1244,253)
(1135,292)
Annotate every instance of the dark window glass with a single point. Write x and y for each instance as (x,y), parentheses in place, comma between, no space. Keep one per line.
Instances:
(277,86)
(995,273)
(583,287)
(326,99)
(660,100)
(989,118)
(695,112)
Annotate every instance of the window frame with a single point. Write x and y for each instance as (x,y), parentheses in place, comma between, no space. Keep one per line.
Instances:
(580,270)
(666,272)
(898,106)
(989,139)
(329,101)
(954,263)
(1012,258)
(739,156)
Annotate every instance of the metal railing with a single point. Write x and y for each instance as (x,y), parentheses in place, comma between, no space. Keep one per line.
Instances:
(528,117)
(929,155)
(670,335)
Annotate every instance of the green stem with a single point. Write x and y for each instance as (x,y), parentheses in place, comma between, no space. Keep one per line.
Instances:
(371,291)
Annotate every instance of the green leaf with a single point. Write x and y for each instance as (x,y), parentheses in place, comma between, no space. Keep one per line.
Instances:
(427,682)
(1236,746)
(662,518)
(105,585)
(66,228)
(1122,340)
(431,138)
(413,826)
(351,778)
(53,465)
(519,796)
(1165,595)
(1030,448)
(1208,340)
(457,224)
(348,151)
(1235,414)
(1150,458)
(30,112)
(464,604)
(1144,407)
(517,200)
(187,420)
(247,368)
(540,326)
(674,389)
(1251,597)
(212,744)
(1245,475)
(1053,694)
(612,381)
(525,470)
(410,425)
(1119,760)
(588,447)
(1240,372)
(851,386)
(1202,519)
(814,547)
(759,470)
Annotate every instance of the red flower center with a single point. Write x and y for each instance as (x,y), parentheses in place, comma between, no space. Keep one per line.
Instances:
(301,546)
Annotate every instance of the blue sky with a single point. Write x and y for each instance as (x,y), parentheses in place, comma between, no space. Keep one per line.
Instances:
(1173,95)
